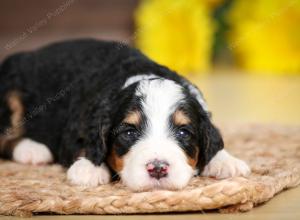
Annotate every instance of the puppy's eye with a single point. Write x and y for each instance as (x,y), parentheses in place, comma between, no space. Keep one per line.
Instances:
(129,134)
(183,134)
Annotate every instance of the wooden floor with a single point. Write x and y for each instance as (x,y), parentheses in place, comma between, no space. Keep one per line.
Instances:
(240,98)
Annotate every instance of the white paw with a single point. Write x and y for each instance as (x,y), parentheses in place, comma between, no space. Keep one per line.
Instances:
(223,165)
(28,151)
(83,172)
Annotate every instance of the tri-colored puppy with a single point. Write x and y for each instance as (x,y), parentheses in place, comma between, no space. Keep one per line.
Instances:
(102,108)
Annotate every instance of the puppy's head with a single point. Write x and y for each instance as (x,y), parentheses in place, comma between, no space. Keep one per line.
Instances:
(160,136)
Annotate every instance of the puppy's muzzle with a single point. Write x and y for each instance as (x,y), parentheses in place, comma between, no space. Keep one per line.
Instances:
(157,169)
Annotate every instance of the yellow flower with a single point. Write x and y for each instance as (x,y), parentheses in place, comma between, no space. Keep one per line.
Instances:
(265,35)
(175,33)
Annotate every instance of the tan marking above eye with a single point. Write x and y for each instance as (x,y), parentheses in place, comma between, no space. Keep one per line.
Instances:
(180,118)
(133,117)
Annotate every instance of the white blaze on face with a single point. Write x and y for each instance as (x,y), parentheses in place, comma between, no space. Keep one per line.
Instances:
(138,78)
(160,99)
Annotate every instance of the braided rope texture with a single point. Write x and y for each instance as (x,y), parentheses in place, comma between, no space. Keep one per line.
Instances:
(273,152)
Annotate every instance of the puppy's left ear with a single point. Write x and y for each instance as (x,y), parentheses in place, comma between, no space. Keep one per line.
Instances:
(211,142)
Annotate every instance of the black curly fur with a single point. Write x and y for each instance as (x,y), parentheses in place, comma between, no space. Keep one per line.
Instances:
(72,93)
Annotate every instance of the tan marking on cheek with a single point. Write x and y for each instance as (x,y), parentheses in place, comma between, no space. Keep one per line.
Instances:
(115,161)
(180,118)
(193,161)
(133,117)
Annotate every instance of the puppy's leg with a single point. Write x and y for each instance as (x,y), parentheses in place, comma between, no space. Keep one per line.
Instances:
(6,140)
(84,172)
(12,143)
(11,126)
(224,165)
(28,151)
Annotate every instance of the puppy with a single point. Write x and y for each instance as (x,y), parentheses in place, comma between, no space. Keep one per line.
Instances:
(103,109)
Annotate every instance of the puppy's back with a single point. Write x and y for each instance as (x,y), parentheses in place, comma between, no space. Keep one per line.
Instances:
(56,81)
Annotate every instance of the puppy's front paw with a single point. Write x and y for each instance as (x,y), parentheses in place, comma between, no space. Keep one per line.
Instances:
(223,165)
(83,172)
(30,152)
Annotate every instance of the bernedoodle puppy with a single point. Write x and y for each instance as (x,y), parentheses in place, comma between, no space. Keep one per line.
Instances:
(103,109)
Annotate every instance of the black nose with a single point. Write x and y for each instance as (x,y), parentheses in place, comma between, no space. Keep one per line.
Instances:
(157,169)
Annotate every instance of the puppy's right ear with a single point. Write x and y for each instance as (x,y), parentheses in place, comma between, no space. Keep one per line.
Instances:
(99,124)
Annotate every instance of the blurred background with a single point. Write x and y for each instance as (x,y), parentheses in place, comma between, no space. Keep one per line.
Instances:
(244,55)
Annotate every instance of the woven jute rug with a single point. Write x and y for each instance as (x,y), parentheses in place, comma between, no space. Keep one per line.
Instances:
(273,152)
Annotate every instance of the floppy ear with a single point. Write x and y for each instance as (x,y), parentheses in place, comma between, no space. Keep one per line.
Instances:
(85,133)
(101,117)
(210,142)
(210,139)
(98,131)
